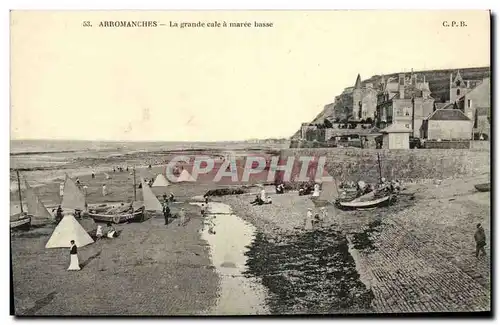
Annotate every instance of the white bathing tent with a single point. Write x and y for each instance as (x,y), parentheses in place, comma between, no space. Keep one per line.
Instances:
(151,203)
(73,198)
(160,181)
(185,176)
(67,230)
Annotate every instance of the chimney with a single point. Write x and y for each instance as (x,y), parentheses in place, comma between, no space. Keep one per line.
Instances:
(401,85)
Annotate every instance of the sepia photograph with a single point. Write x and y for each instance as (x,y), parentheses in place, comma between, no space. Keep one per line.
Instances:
(250,163)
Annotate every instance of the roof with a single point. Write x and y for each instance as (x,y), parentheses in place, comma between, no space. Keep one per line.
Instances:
(448,115)
(358,82)
(441,105)
(396,128)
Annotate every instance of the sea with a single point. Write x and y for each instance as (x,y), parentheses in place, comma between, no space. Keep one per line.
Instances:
(43,161)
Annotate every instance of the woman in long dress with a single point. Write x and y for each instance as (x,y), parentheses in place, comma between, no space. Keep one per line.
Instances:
(74,264)
(316,190)
(308,220)
(104,190)
(61,189)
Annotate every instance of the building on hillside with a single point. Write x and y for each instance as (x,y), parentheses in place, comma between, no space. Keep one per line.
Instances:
(476,104)
(356,103)
(405,100)
(459,87)
(446,124)
(396,136)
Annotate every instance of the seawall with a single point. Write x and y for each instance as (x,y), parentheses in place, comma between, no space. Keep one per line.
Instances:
(354,164)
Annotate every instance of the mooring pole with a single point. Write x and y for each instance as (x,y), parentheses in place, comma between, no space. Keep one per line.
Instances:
(379,168)
(19,190)
(135,192)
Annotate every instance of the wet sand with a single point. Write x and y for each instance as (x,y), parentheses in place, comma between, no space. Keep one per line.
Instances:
(415,256)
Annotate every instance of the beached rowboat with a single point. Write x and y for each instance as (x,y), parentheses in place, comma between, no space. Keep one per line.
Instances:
(20,221)
(136,216)
(383,201)
(485,187)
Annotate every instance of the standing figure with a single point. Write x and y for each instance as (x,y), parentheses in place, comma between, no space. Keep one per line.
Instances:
(93,174)
(308,220)
(59,214)
(165,197)
(104,190)
(166,212)
(99,232)
(61,189)
(74,264)
(316,190)
(480,238)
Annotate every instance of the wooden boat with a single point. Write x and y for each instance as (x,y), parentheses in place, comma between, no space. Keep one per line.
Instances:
(136,216)
(356,204)
(485,187)
(20,221)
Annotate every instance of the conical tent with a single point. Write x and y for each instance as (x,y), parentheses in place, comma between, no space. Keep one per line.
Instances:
(151,203)
(72,198)
(185,177)
(160,181)
(67,230)
(35,206)
(329,191)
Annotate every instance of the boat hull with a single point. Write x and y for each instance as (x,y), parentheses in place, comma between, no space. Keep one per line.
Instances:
(353,205)
(486,187)
(137,216)
(21,224)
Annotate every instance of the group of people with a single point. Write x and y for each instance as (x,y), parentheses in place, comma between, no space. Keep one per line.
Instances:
(262,198)
(315,220)
(120,169)
(167,214)
(108,232)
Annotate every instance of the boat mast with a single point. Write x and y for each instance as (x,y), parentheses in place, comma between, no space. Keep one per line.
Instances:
(135,192)
(19,190)
(379,168)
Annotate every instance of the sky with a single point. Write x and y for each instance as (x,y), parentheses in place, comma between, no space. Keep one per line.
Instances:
(214,84)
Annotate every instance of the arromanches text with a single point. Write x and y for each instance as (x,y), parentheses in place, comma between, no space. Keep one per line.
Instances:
(126,23)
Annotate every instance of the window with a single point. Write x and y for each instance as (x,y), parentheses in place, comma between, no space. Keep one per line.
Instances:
(468,103)
(407,126)
(407,111)
(458,92)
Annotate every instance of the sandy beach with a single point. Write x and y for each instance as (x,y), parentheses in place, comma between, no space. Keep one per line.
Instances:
(417,255)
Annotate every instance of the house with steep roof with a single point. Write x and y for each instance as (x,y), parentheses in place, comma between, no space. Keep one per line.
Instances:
(446,124)
(406,100)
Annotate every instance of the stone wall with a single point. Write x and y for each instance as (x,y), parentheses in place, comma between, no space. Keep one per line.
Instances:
(418,164)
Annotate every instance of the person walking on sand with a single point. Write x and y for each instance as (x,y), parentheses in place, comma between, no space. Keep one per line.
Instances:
(480,238)
(166,212)
(74,264)
(308,220)
(104,190)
